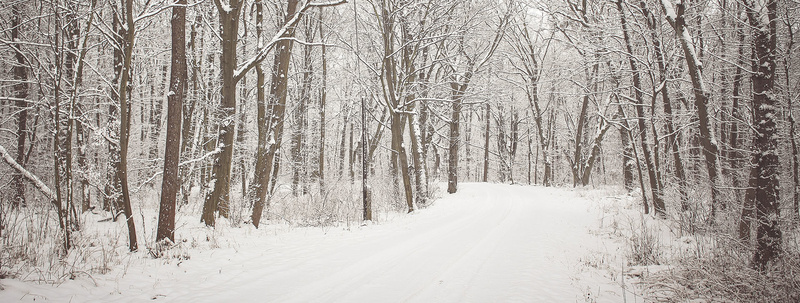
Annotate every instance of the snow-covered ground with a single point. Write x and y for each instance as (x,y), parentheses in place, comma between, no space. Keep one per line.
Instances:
(486,243)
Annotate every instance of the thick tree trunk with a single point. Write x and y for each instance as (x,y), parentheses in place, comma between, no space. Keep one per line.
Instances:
(274,116)
(455,136)
(627,159)
(420,167)
(595,152)
(177,84)
(217,201)
(764,174)
(577,157)
(402,158)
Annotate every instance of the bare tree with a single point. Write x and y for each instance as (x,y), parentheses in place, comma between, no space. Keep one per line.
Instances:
(677,20)
(125,119)
(658,199)
(764,190)
(473,60)
(177,83)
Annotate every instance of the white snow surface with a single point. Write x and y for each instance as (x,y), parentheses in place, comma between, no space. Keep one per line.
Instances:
(486,243)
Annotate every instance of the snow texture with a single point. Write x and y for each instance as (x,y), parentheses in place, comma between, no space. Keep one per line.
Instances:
(486,243)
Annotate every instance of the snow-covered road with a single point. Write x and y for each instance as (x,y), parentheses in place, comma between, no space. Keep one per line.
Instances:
(486,243)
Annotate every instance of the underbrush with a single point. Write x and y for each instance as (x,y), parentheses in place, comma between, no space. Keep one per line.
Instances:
(683,258)
(31,245)
(726,276)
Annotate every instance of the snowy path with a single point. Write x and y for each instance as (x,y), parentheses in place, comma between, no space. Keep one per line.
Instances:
(487,243)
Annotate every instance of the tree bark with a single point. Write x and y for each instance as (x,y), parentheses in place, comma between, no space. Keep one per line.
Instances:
(177,83)
(217,201)
(457,96)
(764,174)
(124,130)
(274,115)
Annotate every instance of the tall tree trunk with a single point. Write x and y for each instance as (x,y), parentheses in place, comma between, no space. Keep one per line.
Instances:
(60,165)
(219,198)
(398,128)
(79,49)
(532,70)
(342,143)
(577,158)
(188,121)
(795,214)
(701,96)
(486,144)
(658,200)
(299,165)
(125,123)
(764,174)
(322,99)
(594,153)
(420,167)
(177,84)
(274,115)
(20,89)
(457,96)
(112,189)
(366,199)
(672,137)
(627,159)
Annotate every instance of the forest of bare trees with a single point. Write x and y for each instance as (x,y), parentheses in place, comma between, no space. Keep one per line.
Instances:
(343,104)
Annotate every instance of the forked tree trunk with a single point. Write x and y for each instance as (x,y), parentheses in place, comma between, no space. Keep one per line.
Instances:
(273,118)
(658,200)
(672,137)
(701,96)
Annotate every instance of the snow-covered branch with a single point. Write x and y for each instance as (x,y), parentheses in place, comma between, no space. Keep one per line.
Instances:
(27,174)
(184,163)
(279,36)
(144,14)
